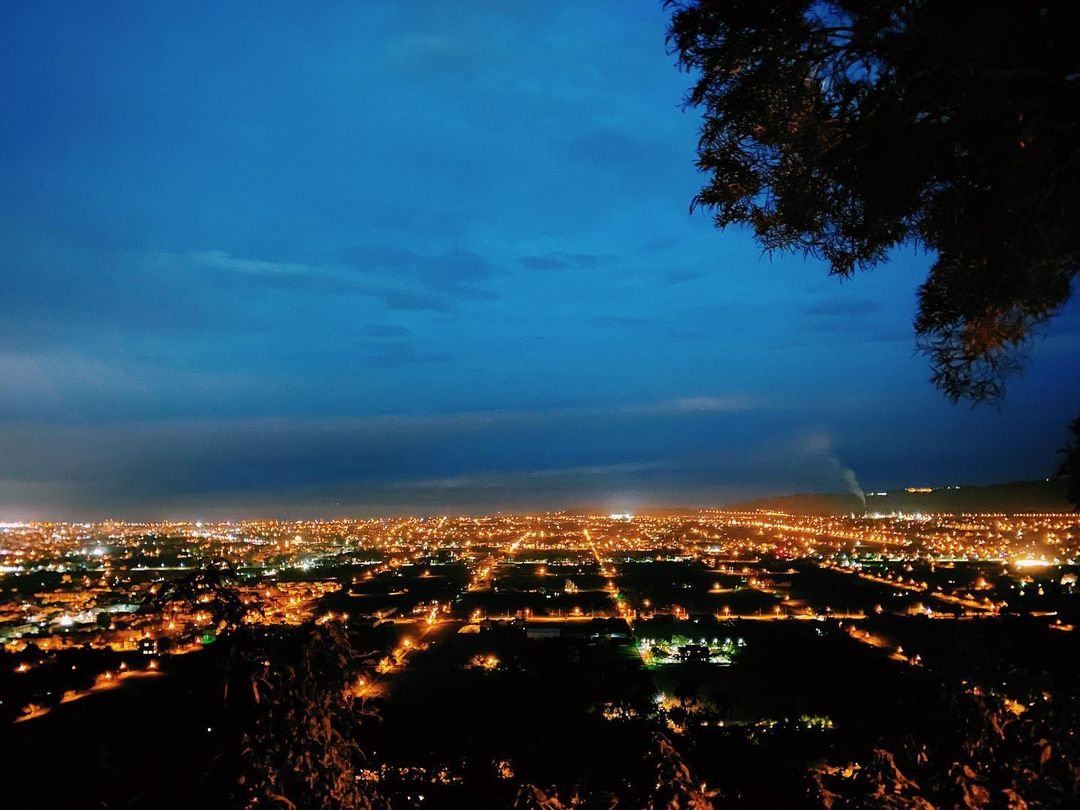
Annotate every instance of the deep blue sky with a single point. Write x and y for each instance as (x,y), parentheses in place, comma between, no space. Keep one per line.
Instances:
(352,258)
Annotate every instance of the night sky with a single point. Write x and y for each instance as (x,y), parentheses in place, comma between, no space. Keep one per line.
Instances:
(370,258)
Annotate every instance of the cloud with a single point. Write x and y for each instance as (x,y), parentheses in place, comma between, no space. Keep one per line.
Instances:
(382,330)
(61,297)
(63,386)
(400,279)
(729,404)
(407,300)
(459,273)
(396,354)
(676,277)
(612,148)
(289,277)
(142,465)
(439,288)
(658,244)
(628,321)
(843,308)
(561,260)
(689,334)
(516,478)
(861,318)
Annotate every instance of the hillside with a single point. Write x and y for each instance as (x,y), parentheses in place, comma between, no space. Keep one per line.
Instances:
(1019,496)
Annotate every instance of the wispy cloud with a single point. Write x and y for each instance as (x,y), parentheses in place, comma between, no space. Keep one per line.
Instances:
(561,260)
(843,307)
(728,404)
(515,478)
(456,273)
(395,353)
(626,321)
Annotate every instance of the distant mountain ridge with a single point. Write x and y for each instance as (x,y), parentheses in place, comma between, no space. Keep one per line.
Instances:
(1046,495)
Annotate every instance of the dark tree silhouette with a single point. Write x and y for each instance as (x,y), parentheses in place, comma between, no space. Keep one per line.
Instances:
(289,701)
(675,788)
(845,128)
(993,756)
(665,782)
(298,746)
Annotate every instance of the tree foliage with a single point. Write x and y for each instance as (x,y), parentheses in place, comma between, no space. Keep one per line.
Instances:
(1000,754)
(675,787)
(845,128)
(298,748)
(290,708)
(665,782)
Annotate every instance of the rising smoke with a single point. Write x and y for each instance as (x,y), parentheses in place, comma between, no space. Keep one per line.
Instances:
(817,446)
(848,476)
(852,482)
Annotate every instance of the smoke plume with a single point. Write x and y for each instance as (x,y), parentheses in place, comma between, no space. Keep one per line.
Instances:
(852,482)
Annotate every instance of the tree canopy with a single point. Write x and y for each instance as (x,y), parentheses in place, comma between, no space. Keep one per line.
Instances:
(846,128)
